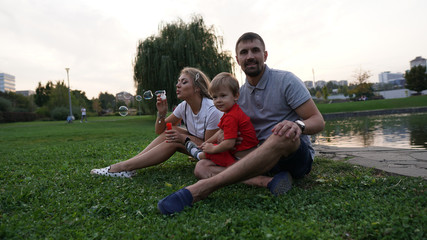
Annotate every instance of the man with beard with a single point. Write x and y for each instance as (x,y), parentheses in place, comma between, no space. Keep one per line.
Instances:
(283,114)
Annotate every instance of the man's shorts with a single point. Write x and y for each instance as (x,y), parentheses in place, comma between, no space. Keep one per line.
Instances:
(297,164)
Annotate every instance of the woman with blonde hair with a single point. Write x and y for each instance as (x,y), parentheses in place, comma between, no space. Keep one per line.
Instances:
(198,113)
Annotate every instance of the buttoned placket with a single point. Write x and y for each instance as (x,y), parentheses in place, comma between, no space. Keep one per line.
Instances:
(258,98)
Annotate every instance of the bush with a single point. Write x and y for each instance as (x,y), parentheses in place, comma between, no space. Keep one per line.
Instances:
(5,105)
(43,112)
(6,117)
(77,113)
(60,113)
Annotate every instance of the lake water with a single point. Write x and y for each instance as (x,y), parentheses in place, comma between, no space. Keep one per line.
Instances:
(397,131)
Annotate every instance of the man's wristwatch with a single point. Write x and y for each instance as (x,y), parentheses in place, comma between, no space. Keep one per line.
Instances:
(300,125)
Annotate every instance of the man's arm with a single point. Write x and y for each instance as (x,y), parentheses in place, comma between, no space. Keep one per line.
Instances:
(311,117)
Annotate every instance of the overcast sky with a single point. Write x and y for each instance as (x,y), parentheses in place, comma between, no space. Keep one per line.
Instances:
(97,39)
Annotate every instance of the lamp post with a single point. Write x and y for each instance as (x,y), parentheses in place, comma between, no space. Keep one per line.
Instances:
(70,117)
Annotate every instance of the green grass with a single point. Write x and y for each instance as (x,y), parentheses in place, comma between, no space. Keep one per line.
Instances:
(46,192)
(415,101)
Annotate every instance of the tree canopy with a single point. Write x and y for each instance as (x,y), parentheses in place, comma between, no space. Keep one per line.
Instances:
(416,78)
(362,87)
(55,95)
(159,59)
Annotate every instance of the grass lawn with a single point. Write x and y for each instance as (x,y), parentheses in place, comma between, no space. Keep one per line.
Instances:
(46,192)
(409,102)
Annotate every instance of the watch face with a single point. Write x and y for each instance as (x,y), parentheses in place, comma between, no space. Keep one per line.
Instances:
(300,124)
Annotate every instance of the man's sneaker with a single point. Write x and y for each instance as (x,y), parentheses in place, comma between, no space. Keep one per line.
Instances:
(281,183)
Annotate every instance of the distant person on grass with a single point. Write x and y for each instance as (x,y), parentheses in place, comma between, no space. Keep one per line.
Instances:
(83,110)
(283,114)
(224,90)
(199,114)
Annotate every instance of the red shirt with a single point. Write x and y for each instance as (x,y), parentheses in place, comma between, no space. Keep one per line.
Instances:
(235,121)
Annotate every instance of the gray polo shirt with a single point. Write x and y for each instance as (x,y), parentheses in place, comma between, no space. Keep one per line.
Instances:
(273,100)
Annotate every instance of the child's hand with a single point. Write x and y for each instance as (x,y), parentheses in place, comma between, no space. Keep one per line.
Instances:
(208,147)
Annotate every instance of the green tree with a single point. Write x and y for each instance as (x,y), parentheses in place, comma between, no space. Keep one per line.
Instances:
(5,105)
(82,100)
(108,101)
(59,96)
(96,106)
(43,93)
(325,92)
(362,87)
(416,79)
(318,94)
(19,103)
(159,59)
(343,90)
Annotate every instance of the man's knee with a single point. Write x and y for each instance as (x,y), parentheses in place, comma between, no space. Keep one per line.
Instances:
(200,169)
(284,145)
(204,169)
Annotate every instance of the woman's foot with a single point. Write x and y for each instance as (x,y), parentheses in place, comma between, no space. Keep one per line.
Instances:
(106,172)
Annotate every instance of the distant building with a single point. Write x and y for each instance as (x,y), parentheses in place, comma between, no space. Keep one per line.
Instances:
(343,83)
(418,61)
(334,82)
(388,77)
(398,82)
(7,82)
(308,84)
(125,97)
(26,92)
(320,83)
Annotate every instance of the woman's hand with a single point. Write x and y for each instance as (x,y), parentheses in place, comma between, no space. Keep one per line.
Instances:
(173,136)
(162,106)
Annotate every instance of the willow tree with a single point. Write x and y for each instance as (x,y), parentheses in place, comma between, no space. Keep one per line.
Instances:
(159,59)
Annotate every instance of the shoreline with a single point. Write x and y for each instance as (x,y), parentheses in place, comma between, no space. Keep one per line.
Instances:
(405,162)
(337,115)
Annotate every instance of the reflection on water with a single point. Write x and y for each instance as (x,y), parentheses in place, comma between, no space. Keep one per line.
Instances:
(397,130)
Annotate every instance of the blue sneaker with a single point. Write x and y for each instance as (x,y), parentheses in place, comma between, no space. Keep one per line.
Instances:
(281,183)
(176,202)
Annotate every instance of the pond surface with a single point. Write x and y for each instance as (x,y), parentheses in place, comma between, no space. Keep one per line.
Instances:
(397,131)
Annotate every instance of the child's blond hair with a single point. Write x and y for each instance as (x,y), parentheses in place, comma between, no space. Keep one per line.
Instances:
(224,79)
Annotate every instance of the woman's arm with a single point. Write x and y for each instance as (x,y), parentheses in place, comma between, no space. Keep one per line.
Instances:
(162,120)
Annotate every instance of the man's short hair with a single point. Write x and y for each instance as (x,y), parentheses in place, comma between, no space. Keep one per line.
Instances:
(249,36)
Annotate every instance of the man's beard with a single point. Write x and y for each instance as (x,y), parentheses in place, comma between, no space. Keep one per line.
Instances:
(253,72)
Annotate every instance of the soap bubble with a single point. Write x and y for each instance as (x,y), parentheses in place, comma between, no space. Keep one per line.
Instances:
(138,98)
(162,94)
(148,95)
(123,111)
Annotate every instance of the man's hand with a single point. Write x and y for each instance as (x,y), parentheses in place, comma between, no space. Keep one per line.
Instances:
(287,129)
(220,137)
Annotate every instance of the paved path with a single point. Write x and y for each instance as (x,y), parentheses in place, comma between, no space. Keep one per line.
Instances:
(407,162)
